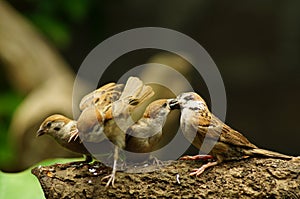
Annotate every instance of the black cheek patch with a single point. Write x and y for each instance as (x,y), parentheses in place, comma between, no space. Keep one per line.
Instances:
(189,97)
(56,128)
(194,108)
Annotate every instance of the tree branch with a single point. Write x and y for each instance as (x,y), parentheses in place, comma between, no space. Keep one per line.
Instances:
(249,178)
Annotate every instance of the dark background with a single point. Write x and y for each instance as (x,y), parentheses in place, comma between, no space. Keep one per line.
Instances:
(255,44)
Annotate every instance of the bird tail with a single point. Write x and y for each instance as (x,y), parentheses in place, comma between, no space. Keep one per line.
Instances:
(136,91)
(267,153)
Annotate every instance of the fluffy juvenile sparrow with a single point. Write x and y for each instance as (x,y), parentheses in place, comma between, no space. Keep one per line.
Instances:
(60,128)
(107,114)
(108,109)
(65,131)
(197,123)
(94,107)
(144,135)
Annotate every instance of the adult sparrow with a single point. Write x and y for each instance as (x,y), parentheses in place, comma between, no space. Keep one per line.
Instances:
(199,124)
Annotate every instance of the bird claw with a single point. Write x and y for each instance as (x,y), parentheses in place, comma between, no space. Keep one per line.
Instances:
(111,180)
(199,171)
(157,162)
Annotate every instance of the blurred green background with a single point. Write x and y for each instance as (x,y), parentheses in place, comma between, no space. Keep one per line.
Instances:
(255,44)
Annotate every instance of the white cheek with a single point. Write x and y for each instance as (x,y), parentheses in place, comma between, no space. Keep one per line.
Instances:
(194,104)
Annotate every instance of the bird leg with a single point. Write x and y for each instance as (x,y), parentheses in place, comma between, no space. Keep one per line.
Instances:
(88,158)
(199,171)
(197,157)
(156,161)
(112,176)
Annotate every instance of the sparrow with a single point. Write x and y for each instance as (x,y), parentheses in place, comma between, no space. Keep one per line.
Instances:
(94,107)
(144,135)
(198,124)
(106,114)
(61,128)
(65,131)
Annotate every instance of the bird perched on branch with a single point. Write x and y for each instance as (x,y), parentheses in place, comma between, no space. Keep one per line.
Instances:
(106,113)
(144,135)
(199,124)
(65,131)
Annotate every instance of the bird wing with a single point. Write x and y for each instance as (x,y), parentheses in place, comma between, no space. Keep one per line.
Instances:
(210,127)
(136,91)
(102,97)
(231,136)
(134,94)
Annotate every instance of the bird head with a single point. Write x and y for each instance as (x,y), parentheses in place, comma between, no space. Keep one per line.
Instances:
(53,125)
(158,108)
(191,100)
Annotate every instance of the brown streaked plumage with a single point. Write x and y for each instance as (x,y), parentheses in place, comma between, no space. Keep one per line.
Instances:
(106,113)
(197,123)
(144,135)
(100,109)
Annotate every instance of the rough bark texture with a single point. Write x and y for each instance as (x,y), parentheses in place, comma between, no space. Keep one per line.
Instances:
(249,178)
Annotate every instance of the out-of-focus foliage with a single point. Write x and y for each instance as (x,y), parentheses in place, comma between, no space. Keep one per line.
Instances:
(55,18)
(9,100)
(19,185)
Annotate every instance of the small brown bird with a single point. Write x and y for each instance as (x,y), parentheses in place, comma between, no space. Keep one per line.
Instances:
(61,129)
(199,124)
(65,130)
(145,134)
(106,113)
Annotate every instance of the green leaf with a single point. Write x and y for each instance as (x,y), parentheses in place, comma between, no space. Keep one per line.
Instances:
(76,9)
(54,28)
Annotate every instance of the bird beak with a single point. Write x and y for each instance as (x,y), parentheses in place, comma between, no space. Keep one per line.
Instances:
(40,132)
(174,104)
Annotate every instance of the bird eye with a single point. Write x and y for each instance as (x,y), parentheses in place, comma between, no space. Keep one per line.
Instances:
(48,124)
(56,128)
